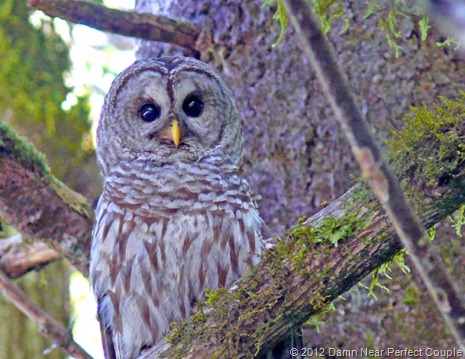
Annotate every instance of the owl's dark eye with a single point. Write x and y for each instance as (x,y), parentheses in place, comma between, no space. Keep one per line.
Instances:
(193,106)
(149,112)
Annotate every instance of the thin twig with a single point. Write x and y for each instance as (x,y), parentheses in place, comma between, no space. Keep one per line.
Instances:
(143,26)
(47,325)
(381,179)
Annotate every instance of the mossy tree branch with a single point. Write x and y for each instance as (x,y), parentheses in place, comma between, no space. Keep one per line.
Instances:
(143,26)
(383,182)
(331,251)
(38,205)
(320,259)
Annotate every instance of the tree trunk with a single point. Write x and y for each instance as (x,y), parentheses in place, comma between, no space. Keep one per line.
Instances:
(296,156)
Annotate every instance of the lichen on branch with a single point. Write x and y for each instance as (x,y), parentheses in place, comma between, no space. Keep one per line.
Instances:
(323,256)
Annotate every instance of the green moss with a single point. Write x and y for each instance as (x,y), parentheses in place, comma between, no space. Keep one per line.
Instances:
(332,229)
(384,270)
(389,15)
(280,15)
(251,309)
(430,138)
(412,295)
(458,220)
(22,151)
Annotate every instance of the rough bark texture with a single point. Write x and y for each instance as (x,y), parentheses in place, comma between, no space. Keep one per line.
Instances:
(33,201)
(297,156)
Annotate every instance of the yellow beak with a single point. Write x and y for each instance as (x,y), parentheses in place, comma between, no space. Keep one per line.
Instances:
(175,132)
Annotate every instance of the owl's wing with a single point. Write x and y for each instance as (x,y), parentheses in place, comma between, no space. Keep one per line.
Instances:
(107,339)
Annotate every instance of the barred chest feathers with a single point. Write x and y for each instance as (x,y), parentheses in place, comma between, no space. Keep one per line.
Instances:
(163,236)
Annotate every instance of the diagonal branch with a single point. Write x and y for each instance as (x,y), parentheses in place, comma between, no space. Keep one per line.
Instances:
(38,205)
(143,26)
(47,325)
(383,182)
(327,255)
(292,283)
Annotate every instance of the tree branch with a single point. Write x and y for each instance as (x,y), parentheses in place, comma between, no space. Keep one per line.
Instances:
(327,255)
(304,274)
(143,26)
(383,182)
(38,205)
(47,325)
(18,258)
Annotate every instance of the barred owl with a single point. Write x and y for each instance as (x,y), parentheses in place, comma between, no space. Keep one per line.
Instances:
(176,217)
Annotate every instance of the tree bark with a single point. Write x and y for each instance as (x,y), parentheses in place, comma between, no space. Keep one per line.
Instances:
(306,273)
(38,205)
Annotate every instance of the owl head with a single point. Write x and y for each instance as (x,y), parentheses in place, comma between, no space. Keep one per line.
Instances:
(169,110)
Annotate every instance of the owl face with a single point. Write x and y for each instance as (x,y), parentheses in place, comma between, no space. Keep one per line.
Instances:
(168,110)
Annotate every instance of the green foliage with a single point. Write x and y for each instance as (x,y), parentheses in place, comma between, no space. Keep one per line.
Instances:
(34,62)
(458,220)
(412,294)
(430,137)
(424,26)
(21,149)
(280,15)
(431,233)
(449,41)
(388,14)
(328,11)
(384,270)
(316,320)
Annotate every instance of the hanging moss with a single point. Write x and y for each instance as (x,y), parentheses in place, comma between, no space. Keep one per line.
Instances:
(388,15)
